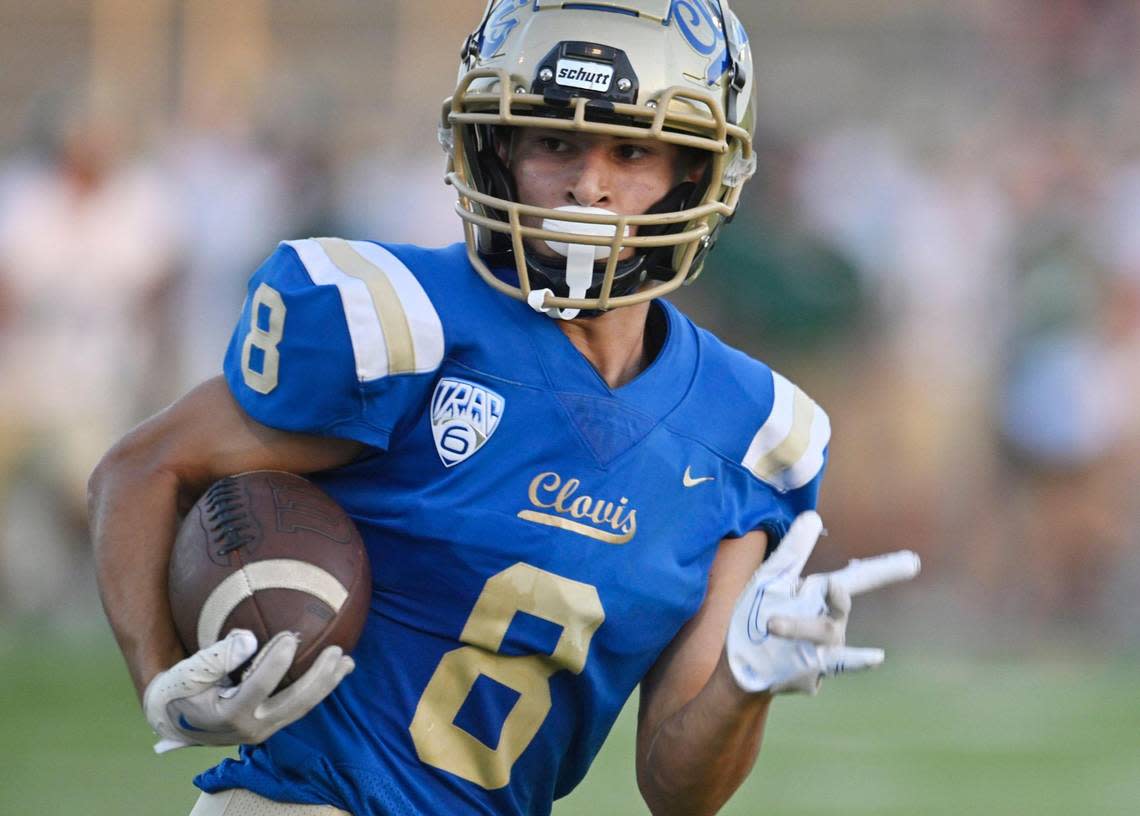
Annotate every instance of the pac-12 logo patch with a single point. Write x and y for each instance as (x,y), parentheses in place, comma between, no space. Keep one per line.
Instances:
(463,417)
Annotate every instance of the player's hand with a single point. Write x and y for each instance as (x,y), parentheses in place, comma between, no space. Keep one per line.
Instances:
(193,703)
(788,633)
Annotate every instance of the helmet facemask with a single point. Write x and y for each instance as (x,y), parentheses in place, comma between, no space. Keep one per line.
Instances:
(663,247)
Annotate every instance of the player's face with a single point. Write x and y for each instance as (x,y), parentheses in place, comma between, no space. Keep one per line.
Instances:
(557,168)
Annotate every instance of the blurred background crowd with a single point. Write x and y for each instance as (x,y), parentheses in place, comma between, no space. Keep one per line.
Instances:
(942,246)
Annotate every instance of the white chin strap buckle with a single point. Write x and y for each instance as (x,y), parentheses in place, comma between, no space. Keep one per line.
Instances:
(580,258)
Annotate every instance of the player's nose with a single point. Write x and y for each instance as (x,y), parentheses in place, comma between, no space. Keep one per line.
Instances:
(591,186)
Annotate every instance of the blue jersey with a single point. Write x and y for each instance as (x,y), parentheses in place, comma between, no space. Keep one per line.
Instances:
(537,538)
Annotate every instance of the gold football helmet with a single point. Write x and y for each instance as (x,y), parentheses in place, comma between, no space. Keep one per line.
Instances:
(675,70)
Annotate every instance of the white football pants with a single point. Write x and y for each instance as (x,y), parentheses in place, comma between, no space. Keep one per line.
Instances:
(240,802)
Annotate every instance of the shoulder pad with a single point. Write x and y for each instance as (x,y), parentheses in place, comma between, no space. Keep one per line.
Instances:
(393,327)
(788,450)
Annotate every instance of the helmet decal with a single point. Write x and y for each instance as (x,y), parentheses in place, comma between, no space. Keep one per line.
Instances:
(698,25)
(500,25)
(699,22)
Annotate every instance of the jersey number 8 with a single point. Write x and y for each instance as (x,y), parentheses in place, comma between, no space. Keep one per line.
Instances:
(264,340)
(522,588)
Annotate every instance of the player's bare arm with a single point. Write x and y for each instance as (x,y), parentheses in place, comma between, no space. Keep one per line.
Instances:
(151,477)
(762,630)
(698,733)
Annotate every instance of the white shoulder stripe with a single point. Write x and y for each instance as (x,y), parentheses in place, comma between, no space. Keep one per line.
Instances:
(392,325)
(809,465)
(787,451)
(368,346)
(423,320)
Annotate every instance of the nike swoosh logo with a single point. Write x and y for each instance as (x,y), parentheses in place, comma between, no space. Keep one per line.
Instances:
(185,725)
(689,481)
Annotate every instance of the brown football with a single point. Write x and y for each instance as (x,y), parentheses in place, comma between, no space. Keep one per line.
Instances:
(270,552)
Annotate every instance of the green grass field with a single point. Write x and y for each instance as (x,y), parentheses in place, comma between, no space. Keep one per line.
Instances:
(1033,737)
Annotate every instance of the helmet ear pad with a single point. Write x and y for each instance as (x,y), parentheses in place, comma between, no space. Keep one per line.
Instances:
(485,158)
(686,195)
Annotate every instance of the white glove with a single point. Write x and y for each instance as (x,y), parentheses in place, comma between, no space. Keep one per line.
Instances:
(787,634)
(193,703)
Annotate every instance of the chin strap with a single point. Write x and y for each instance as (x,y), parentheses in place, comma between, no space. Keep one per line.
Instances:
(580,258)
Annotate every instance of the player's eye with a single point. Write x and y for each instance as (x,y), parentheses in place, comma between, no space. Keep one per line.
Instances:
(632,151)
(552,144)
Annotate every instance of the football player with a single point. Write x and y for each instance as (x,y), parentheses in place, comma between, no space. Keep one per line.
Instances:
(567,489)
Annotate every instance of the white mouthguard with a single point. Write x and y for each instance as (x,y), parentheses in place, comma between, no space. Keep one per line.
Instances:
(580,258)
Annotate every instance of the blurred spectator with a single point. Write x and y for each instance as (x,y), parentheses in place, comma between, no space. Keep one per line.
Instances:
(235,204)
(783,290)
(1067,417)
(88,244)
(383,196)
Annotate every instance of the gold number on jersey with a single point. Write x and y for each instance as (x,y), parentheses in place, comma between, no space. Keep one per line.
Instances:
(522,588)
(264,339)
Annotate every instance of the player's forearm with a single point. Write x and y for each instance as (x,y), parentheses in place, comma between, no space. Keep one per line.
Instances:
(133,508)
(699,756)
